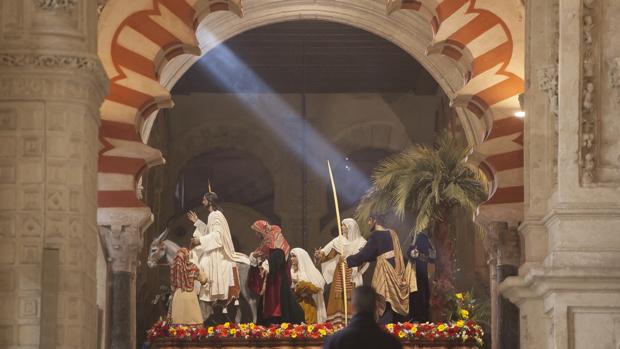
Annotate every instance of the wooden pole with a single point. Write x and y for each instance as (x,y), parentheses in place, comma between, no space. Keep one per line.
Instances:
(343,269)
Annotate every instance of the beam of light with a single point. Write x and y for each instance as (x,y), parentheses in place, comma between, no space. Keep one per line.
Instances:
(282,120)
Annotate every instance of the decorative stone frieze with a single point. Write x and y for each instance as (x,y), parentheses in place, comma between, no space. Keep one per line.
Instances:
(87,63)
(75,63)
(548,83)
(589,117)
(100,6)
(66,5)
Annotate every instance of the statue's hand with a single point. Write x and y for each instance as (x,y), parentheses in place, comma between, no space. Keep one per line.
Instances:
(192,216)
(195,242)
(318,255)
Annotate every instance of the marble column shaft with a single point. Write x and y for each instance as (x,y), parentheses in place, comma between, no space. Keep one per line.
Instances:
(51,87)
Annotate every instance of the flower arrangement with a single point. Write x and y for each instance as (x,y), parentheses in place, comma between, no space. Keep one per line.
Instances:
(461,331)
(463,306)
(163,329)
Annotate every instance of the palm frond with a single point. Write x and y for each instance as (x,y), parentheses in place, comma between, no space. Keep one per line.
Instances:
(424,180)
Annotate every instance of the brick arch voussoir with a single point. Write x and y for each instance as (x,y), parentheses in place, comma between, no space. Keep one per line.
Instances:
(126,91)
(457,52)
(204,8)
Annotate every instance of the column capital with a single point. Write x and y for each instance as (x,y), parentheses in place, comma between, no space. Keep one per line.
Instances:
(501,242)
(121,230)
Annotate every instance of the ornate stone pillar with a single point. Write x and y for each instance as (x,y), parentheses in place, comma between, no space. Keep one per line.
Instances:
(490,241)
(508,260)
(122,230)
(502,244)
(568,290)
(51,87)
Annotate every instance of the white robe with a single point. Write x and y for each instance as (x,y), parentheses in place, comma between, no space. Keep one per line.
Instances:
(215,256)
(329,267)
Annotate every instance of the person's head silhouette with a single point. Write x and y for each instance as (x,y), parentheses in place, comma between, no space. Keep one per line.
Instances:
(364,300)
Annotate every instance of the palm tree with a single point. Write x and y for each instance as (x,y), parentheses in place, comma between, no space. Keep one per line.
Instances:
(429,182)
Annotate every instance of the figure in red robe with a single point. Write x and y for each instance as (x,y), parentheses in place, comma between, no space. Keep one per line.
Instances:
(270,277)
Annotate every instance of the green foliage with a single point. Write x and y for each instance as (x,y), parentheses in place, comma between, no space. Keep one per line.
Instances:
(427,181)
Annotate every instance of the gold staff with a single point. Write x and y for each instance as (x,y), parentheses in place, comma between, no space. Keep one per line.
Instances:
(344,275)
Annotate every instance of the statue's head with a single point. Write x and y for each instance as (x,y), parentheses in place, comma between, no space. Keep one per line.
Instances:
(375,219)
(210,201)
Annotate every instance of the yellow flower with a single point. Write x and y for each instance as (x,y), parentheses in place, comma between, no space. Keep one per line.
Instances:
(459,296)
(294,335)
(390,327)
(278,331)
(441,328)
(252,326)
(460,323)
(414,329)
(284,325)
(243,326)
(310,328)
(464,314)
(210,330)
(227,324)
(401,334)
(322,332)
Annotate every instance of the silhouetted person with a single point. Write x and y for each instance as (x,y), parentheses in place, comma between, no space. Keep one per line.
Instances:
(420,253)
(362,332)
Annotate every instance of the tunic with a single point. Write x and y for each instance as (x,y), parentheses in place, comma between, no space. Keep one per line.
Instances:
(388,279)
(184,307)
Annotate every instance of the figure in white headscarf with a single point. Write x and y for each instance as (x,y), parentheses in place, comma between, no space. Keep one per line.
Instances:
(308,284)
(351,242)
(331,256)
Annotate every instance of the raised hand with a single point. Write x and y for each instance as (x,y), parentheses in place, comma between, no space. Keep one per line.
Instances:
(192,216)
(318,255)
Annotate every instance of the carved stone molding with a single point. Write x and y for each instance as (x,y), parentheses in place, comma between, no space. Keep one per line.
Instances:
(501,242)
(121,231)
(51,61)
(548,83)
(589,117)
(24,84)
(100,6)
(66,5)
(614,77)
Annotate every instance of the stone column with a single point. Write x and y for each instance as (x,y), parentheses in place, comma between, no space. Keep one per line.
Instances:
(568,290)
(508,259)
(502,244)
(491,240)
(122,230)
(51,87)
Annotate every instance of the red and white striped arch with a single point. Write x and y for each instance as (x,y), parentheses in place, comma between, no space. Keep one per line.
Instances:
(483,38)
(486,39)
